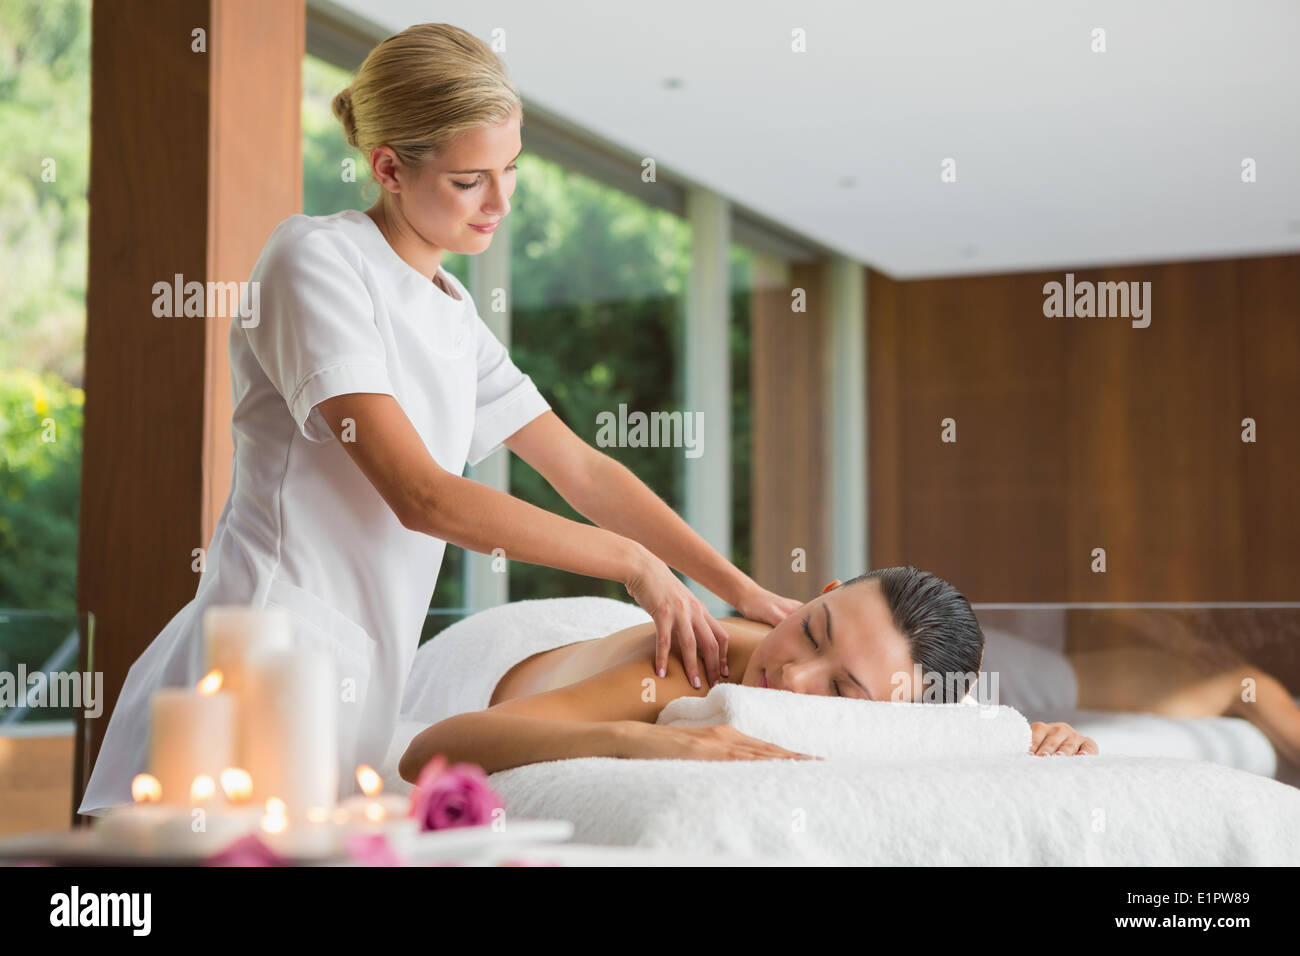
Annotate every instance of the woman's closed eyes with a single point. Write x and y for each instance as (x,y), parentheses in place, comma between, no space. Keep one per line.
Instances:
(477,181)
(808,631)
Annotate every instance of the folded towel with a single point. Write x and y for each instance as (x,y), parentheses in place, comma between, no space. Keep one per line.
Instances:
(847,727)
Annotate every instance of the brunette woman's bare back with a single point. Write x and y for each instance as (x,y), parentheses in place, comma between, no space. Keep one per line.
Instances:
(571,663)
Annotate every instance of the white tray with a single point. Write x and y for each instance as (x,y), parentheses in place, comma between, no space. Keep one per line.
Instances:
(459,844)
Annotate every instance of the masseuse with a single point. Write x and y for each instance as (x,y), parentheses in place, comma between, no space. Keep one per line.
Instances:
(366,383)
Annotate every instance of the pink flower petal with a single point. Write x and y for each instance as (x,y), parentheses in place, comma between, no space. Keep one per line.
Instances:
(248,850)
(372,849)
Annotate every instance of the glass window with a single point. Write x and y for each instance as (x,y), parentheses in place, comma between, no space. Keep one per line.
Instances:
(598,280)
(45,126)
(742,283)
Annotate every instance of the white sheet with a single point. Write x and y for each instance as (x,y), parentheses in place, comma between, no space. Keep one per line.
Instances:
(1031,811)
(1230,741)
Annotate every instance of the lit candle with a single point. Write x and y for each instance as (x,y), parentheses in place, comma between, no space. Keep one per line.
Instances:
(233,635)
(131,828)
(191,734)
(373,811)
(291,698)
(311,834)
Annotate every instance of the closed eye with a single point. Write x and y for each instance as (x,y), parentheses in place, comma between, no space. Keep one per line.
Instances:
(477,181)
(808,631)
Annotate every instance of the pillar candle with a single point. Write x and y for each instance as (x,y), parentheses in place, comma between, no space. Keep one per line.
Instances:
(190,734)
(233,635)
(290,698)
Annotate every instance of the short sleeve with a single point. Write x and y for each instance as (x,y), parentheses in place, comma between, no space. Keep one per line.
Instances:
(506,398)
(316,335)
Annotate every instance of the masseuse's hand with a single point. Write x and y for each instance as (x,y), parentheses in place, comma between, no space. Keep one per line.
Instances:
(676,611)
(760,604)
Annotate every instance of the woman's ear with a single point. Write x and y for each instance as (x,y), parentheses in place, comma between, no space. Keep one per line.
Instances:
(384,166)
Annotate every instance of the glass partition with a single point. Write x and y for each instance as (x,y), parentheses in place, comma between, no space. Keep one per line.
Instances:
(50,692)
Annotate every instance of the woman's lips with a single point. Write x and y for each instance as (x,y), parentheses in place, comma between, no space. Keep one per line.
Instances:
(491,228)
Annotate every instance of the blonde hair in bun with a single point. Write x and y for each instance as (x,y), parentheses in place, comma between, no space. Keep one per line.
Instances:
(420,89)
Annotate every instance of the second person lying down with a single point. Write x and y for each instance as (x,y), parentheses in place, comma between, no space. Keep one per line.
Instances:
(867,638)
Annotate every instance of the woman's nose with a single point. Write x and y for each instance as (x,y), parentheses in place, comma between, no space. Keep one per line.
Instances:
(499,201)
(800,677)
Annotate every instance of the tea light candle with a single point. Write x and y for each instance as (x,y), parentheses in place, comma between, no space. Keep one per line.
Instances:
(311,835)
(373,811)
(203,831)
(191,734)
(290,696)
(132,828)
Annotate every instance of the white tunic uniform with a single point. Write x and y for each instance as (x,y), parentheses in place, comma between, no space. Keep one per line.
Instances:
(303,529)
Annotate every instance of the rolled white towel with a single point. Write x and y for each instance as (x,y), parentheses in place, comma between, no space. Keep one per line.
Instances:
(848,727)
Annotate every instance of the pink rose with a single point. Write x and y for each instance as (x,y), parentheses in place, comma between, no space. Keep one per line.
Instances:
(456,796)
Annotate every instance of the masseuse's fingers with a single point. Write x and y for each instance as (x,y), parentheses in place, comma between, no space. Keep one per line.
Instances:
(686,641)
(724,638)
(663,643)
(707,642)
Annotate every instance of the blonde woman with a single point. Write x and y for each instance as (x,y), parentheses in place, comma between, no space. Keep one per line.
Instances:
(364,387)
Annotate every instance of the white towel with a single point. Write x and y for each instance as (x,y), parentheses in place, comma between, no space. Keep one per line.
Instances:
(984,811)
(457,670)
(847,727)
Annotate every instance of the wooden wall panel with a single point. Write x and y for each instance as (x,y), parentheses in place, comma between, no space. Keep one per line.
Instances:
(1075,433)
(789,455)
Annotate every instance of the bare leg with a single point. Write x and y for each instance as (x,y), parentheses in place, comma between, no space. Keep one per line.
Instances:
(1146,680)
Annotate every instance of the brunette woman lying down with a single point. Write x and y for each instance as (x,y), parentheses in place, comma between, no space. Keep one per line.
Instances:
(600,698)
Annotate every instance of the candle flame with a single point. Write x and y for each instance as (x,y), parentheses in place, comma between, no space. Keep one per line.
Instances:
(210,684)
(317,814)
(145,788)
(371,784)
(237,784)
(275,820)
(202,788)
(374,812)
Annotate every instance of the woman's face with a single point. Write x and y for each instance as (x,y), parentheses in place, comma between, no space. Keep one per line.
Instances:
(468,185)
(851,649)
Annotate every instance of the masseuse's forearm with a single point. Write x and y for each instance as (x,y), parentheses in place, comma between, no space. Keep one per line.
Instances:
(499,741)
(472,515)
(618,500)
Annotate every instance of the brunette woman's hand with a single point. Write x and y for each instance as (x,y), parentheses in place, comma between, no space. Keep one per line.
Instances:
(678,612)
(1059,738)
(716,742)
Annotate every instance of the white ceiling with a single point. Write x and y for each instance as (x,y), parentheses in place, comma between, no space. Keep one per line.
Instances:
(1065,158)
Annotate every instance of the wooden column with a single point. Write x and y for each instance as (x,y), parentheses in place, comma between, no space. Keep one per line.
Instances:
(790,457)
(195,157)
